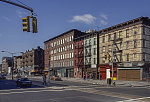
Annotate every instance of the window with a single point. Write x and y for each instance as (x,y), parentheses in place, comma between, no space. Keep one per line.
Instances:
(52,44)
(94,51)
(72,46)
(120,45)
(120,34)
(143,31)
(61,41)
(61,56)
(103,39)
(65,48)
(90,51)
(89,60)
(144,44)
(103,50)
(144,56)
(115,36)
(109,48)
(109,37)
(82,44)
(72,63)
(134,57)
(127,57)
(85,42)
(70,38)
(61,49)
(72,54)
(75,46)
(135,31)
(103,59)
(127,33)
(89,41)
(134,44)
(127,44)
(94,60)
(78,45)
(86,51)
(120,57)
(94,41)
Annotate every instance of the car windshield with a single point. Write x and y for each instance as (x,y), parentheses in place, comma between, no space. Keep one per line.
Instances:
(24,79)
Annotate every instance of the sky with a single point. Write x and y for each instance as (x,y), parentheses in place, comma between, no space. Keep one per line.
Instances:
(57,16)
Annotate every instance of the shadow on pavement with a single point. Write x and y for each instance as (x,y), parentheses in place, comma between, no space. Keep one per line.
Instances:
(11,84)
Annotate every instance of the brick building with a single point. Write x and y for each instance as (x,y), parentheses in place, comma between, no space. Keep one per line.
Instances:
(6,65)
(33,61)
(86,58)
(131,49)
(17,64)
(79,57)
(60,51)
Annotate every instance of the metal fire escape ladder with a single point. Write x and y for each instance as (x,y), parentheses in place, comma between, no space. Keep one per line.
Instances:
(117,50)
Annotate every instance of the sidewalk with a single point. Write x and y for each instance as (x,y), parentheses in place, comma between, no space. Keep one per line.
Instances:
(118,83)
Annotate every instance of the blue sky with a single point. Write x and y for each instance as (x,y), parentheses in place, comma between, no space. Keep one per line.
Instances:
(58,16)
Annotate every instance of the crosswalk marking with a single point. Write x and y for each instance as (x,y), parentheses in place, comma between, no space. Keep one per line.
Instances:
(6,93)
(87,89)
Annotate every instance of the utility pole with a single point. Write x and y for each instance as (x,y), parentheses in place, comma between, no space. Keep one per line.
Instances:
(49,70)
(112,61)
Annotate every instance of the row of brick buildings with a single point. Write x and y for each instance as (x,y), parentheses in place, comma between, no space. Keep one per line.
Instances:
(30,62)
(75,53)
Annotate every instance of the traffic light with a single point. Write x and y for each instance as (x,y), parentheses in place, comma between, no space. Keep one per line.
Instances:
(108,56)
(26,24)
(49,57)
(34,25)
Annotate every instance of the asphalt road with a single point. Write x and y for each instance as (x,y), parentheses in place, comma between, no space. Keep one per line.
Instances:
(63,91)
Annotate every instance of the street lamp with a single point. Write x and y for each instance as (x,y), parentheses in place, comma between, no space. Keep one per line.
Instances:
(12,53)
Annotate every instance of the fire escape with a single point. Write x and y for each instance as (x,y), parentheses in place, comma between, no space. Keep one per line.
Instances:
(117,48)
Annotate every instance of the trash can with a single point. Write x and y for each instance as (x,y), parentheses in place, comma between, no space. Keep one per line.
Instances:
(109,81)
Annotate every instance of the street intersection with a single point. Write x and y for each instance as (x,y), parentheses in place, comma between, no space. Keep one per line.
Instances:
(67,91)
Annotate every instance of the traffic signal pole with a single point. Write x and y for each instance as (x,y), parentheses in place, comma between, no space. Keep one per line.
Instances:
(26,24)
(13,3)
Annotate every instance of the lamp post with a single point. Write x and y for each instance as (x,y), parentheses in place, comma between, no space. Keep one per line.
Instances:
(49,70)
(12,53)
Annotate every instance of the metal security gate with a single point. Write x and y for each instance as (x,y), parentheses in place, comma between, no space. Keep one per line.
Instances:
(130,74)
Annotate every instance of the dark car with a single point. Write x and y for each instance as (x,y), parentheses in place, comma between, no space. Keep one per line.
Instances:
(24,82)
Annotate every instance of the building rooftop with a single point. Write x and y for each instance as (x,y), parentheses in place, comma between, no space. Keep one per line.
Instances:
(61,35)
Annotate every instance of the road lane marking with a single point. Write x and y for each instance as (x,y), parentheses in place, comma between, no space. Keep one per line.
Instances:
(135,99)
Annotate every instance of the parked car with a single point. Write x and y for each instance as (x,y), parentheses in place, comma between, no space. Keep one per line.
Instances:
(23,82)
(56,78)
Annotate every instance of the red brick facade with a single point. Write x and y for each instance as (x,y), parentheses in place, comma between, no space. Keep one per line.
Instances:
(78,58)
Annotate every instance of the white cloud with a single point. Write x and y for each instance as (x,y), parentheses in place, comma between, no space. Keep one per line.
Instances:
(86,18)
(103,22)
(104,16)
(20,13)
(6,18)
